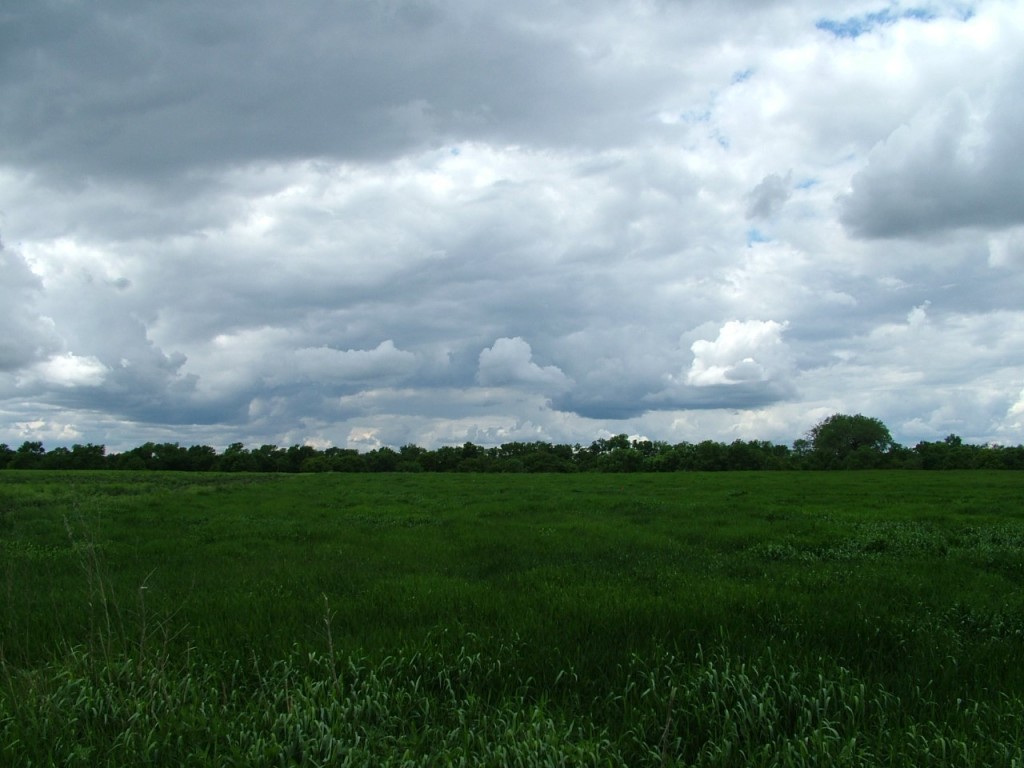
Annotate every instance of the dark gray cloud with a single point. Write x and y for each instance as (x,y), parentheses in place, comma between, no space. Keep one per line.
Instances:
(138,91)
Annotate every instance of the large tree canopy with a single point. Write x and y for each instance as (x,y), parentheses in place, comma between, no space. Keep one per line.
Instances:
(850,441)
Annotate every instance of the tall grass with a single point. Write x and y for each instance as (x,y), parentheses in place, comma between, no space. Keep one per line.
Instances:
(442,704)
(721,620)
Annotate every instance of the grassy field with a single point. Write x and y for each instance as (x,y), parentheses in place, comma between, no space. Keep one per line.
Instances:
(727,619)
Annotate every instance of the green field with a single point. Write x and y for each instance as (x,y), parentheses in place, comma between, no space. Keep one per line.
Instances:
(727,619)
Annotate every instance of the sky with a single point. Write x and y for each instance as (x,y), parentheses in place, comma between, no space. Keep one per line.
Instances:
(382,222)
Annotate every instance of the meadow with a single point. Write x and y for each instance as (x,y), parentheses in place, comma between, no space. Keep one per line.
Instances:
(680,619)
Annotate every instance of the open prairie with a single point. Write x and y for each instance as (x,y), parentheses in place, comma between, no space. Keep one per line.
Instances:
(790,618)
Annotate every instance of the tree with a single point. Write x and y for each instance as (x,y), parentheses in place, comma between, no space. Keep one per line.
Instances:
(269,458)
(846,442)
(58,458)
(621,460)
(443,459)
(236,458)
(316,463)
(169,456)
(201,458)
(710,456)
(88,456)
(295,455)
(383,459)
(28,456)
(548,458)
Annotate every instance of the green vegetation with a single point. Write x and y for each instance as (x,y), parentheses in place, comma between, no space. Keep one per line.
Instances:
(838,442)
(703,619)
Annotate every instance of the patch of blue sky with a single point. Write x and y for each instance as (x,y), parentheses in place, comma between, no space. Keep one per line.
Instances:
(807,183)
(855,26)
(920,14)
(691,116)
(755,235)
(742,75)
(966,12)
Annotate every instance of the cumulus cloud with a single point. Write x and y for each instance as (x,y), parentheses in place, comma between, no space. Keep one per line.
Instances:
(953,362)
(743,352)
(69,370)
(956,164)
(509,362)
(1017,411)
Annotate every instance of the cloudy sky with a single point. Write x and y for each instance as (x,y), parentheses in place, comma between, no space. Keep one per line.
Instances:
(379,222)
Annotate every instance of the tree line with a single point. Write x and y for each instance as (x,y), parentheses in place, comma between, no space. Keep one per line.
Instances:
(838,442)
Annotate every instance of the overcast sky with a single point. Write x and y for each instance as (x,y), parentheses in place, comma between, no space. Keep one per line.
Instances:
(379,222)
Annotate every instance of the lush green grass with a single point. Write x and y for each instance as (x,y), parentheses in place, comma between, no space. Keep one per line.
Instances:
(672,619)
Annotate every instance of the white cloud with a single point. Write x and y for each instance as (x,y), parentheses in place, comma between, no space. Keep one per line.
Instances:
(509,362)
(931,373)
(955,164)
(69,370)
(44,429)
(1006,248)
(1017,411)
(743,352)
